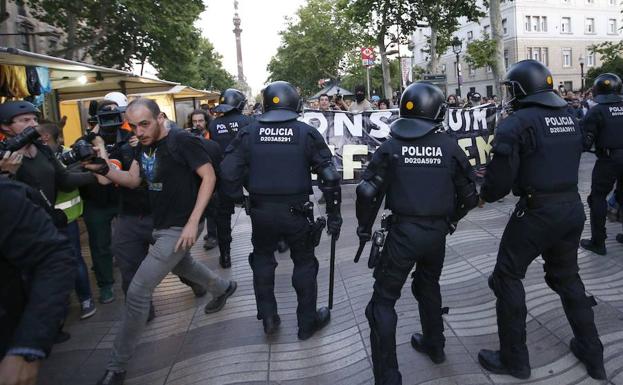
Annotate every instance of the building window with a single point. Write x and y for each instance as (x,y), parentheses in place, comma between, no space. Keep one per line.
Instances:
(565,25)
(612,2)
(612,26)
(489,91)
(539,54)
(589,25)
(506,58)
(487,30)
(590,59)
(25,31)
(470,35)
(527,25)
(590,1)
(472,70)
(443,68)
(536,25)
(53,45)
(489,69)
(504,27)
(566,57)
(543,23)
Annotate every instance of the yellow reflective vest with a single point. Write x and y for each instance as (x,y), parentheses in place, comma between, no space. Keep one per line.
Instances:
(70,203)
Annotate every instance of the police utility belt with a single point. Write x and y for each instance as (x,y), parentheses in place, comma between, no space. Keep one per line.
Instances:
(609,152)
(537,200)
(299,205)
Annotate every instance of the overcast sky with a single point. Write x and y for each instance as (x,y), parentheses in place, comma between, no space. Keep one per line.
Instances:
(261,23)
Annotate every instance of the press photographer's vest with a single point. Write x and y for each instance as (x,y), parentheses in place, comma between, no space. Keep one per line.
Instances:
(69,202)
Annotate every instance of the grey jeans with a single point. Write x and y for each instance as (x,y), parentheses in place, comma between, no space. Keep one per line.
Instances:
(160,260)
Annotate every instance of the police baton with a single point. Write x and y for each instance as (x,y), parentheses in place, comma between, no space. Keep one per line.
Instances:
(362,245)
(332,269)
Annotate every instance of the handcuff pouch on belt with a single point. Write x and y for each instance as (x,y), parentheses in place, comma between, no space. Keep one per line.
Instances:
(378,241)
(315,226)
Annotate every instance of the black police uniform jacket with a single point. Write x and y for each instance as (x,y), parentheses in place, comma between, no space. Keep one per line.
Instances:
(225,128)
(279,159)
(428,176)
(36,270)
(603,126)
(535,150)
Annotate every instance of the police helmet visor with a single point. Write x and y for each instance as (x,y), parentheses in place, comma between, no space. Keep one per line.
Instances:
(224,108)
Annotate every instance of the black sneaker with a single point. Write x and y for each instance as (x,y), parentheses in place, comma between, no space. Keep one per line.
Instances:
(112,378)
(217,303)
(436,354)
(225,260)
(271,324)
(491,360)
(597,372)
(589,245)
(323,316)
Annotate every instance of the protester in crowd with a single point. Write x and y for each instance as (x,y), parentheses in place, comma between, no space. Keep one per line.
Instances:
(452,101)
(72,205)
(339,103)
(179,193)
(324,102)
(361,103)
(383,104)
(36,276)
(576,107)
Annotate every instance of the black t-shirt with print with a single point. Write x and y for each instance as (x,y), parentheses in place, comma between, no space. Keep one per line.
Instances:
(172,181)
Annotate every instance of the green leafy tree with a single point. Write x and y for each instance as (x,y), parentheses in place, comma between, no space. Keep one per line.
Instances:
(481,53)
(314,46)
(211,74)
(611,55)
(120,33)
(387,22)
(356,75)
(608,51)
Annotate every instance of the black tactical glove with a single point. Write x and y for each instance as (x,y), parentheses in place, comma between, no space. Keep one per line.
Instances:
(334,223)
(363,235)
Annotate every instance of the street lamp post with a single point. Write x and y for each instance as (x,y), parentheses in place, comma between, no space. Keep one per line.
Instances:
(457,45)
(581,61)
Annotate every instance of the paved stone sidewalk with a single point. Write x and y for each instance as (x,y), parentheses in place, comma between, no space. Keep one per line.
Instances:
(185,346)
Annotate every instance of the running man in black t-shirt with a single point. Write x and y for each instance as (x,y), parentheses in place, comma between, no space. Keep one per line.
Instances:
(180,180)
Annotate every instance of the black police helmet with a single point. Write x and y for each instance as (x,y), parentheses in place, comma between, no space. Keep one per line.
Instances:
(422,108)
(607,89)
(231,99)
(530,82)
(281,103)
(11,109)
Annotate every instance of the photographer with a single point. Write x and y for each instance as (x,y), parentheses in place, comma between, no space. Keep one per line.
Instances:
(33,162)
(36,276)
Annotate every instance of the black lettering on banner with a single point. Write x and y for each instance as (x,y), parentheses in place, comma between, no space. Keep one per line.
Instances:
(277,135)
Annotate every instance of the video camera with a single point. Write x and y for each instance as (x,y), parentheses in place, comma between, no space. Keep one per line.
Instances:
(108,119)
(81,151)
(29,135)
(196,131)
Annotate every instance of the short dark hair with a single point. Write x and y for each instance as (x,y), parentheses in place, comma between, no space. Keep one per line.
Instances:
(50,128)
(385,101)
(321,95)
(151,105)
(360,88)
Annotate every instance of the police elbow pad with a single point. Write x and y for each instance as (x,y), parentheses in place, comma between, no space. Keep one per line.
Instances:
(330,186)
(366,191)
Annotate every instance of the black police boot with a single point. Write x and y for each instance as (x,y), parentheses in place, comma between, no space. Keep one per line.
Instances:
(112,378)
(436,354)
(323,316)
(217,303)
(210,243)
(620,238)
(597,372)
(491,360)
(589,245)
(225,258)
(61,337)
(271,324)
(282,246)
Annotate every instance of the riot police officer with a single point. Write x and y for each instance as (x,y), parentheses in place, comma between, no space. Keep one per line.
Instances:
(536,153)
(274,156)
(223,130)
(418,150)
(603,127)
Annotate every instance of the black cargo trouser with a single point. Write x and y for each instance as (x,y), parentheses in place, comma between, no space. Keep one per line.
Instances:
(272,221)
(224,210)
(605,173)
(552,231)
(420,241)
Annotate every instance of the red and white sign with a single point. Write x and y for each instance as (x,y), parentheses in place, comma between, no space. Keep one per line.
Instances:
(367,56)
